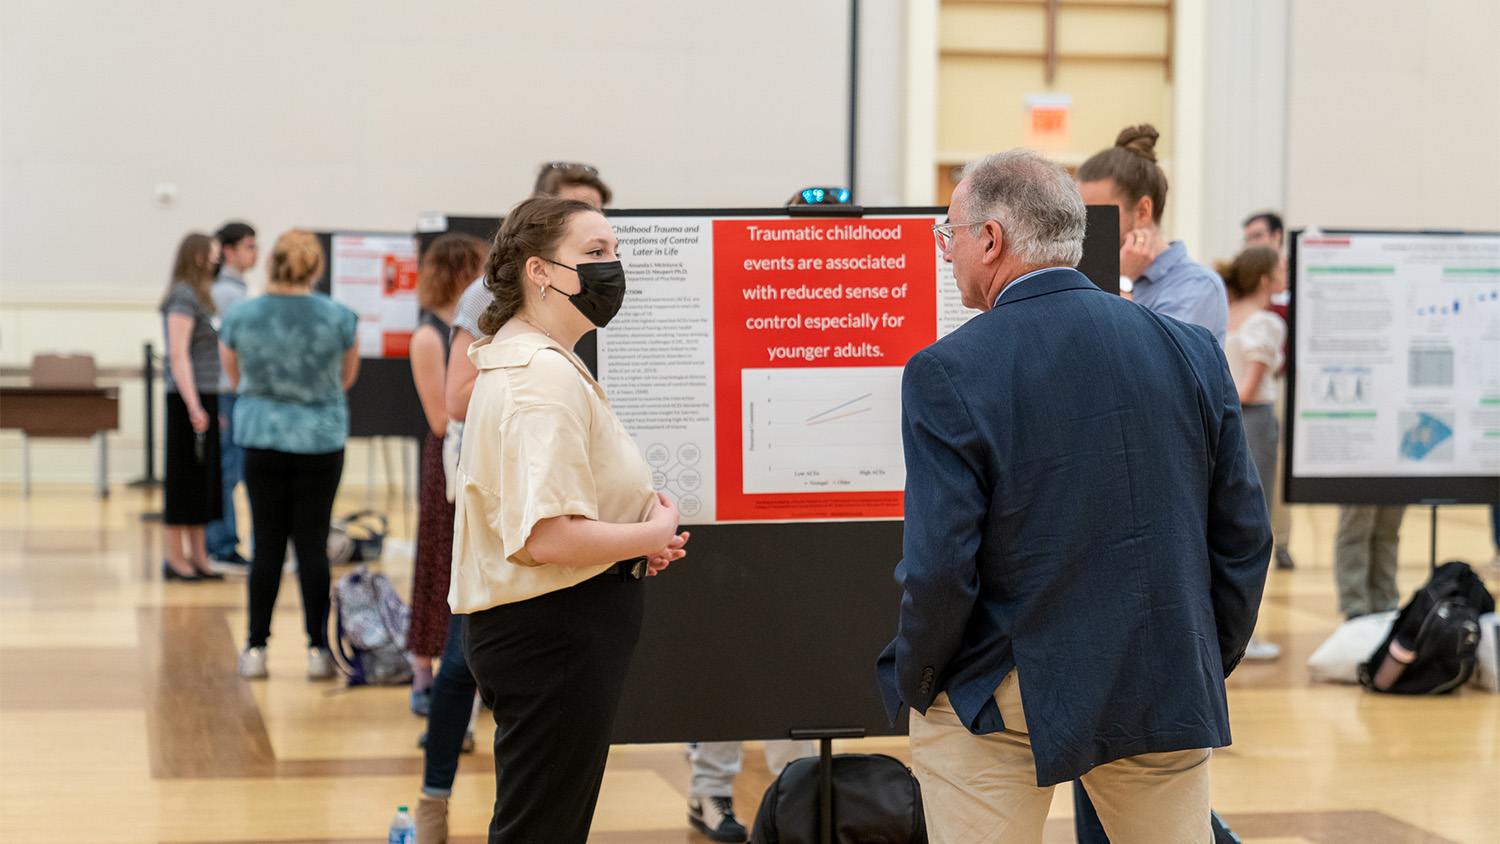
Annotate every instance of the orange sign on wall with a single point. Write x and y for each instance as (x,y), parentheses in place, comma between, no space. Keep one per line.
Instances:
(1047,120)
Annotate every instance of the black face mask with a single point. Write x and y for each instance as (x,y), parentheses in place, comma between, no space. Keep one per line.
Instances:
(601,290)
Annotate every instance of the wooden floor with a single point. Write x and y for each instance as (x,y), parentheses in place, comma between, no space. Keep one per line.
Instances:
(122,720)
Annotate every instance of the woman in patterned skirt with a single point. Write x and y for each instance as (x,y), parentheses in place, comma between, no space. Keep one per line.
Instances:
(448,265)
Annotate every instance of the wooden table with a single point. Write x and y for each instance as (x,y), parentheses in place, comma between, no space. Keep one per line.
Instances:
(61,412)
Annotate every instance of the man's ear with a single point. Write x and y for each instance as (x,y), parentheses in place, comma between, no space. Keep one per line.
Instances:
(996,237)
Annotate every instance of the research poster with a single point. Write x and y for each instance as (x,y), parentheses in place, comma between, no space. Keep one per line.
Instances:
(757,360)
(1397,355)
(376,276)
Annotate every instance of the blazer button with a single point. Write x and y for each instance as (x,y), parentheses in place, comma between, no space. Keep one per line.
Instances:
(926,688)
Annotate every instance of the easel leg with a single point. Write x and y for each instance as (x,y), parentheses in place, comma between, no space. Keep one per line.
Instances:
(825,791)
(1432,540)
(369,472)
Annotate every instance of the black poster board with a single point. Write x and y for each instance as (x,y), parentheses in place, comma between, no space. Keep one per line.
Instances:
(1101,247)
(1381,355)
(483,228)
(768,627)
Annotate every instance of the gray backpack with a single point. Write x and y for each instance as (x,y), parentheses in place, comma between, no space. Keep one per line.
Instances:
(368,639)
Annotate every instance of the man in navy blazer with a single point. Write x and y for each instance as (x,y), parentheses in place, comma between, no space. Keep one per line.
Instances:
(1084,531)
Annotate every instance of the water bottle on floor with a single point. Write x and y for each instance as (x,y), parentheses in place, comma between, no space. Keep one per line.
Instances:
(403,828)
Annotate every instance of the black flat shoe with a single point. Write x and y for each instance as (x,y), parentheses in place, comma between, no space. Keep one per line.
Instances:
(209,575)
(169,573)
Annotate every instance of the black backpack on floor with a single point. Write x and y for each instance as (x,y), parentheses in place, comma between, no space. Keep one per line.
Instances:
(876,800)
(1435,638)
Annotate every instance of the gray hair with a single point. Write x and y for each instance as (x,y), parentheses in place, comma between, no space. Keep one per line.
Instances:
(1035,202)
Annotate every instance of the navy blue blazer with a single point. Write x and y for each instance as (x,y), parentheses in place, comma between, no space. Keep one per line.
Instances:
(1081,507)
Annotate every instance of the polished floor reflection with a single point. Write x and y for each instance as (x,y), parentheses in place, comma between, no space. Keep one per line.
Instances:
(122,719)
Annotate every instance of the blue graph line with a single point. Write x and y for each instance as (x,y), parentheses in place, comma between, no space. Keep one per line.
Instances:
(845,404)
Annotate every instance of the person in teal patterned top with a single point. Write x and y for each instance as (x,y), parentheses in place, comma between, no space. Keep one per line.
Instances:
(291,354)
(291,350)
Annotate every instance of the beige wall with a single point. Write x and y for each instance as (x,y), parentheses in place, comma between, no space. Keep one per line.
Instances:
(1340,113)
(1394,118)
(361,115)
(1111,62)
(1363,114)
(1244,121)
(981,99)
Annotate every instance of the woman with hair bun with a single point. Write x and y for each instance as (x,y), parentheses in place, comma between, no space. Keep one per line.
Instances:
(1158,275)
(556,523)
(291,353)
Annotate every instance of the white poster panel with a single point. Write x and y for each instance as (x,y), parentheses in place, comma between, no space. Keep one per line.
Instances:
(1398,355)
(656,359)
(376,276)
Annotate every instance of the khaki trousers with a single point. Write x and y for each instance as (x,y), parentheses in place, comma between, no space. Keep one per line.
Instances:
(1364,558)
(979,789)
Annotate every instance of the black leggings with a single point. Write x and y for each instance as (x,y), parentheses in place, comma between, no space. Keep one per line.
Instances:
(291,496)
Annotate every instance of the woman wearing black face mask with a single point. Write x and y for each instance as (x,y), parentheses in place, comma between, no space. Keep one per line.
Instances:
(556,522)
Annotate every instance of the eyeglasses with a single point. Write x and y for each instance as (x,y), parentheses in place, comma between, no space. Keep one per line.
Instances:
(943,232)
(572,165)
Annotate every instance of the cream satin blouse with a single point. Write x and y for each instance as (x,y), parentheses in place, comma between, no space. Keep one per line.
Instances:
(540,441)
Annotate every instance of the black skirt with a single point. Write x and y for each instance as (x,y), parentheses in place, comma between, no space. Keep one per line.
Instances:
(193,494)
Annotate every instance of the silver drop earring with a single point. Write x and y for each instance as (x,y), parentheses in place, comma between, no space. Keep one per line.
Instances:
(544,293)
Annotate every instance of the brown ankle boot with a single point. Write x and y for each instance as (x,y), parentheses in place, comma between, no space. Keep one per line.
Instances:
(432,820)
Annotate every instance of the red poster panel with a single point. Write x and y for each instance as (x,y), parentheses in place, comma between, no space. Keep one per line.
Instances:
(396,344)
(813,320)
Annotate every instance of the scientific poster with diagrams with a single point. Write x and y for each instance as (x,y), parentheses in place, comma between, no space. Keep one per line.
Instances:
(1397,354)
(757,360)
(375,275)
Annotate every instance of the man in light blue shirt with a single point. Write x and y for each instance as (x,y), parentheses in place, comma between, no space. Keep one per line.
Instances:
(240,254)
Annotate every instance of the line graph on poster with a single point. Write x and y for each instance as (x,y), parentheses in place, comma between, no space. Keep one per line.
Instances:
(822,429)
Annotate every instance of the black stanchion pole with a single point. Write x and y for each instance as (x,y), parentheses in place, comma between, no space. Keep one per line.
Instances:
(825,737)
(148,376)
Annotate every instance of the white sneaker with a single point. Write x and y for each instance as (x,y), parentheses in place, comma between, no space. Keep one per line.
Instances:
(1258,651)
(319,664)
(253,664)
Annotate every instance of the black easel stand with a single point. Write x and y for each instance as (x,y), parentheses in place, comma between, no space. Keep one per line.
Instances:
(1432,541)
(825,739)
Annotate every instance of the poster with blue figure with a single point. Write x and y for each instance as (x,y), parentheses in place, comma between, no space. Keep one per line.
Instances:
(1426,437)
